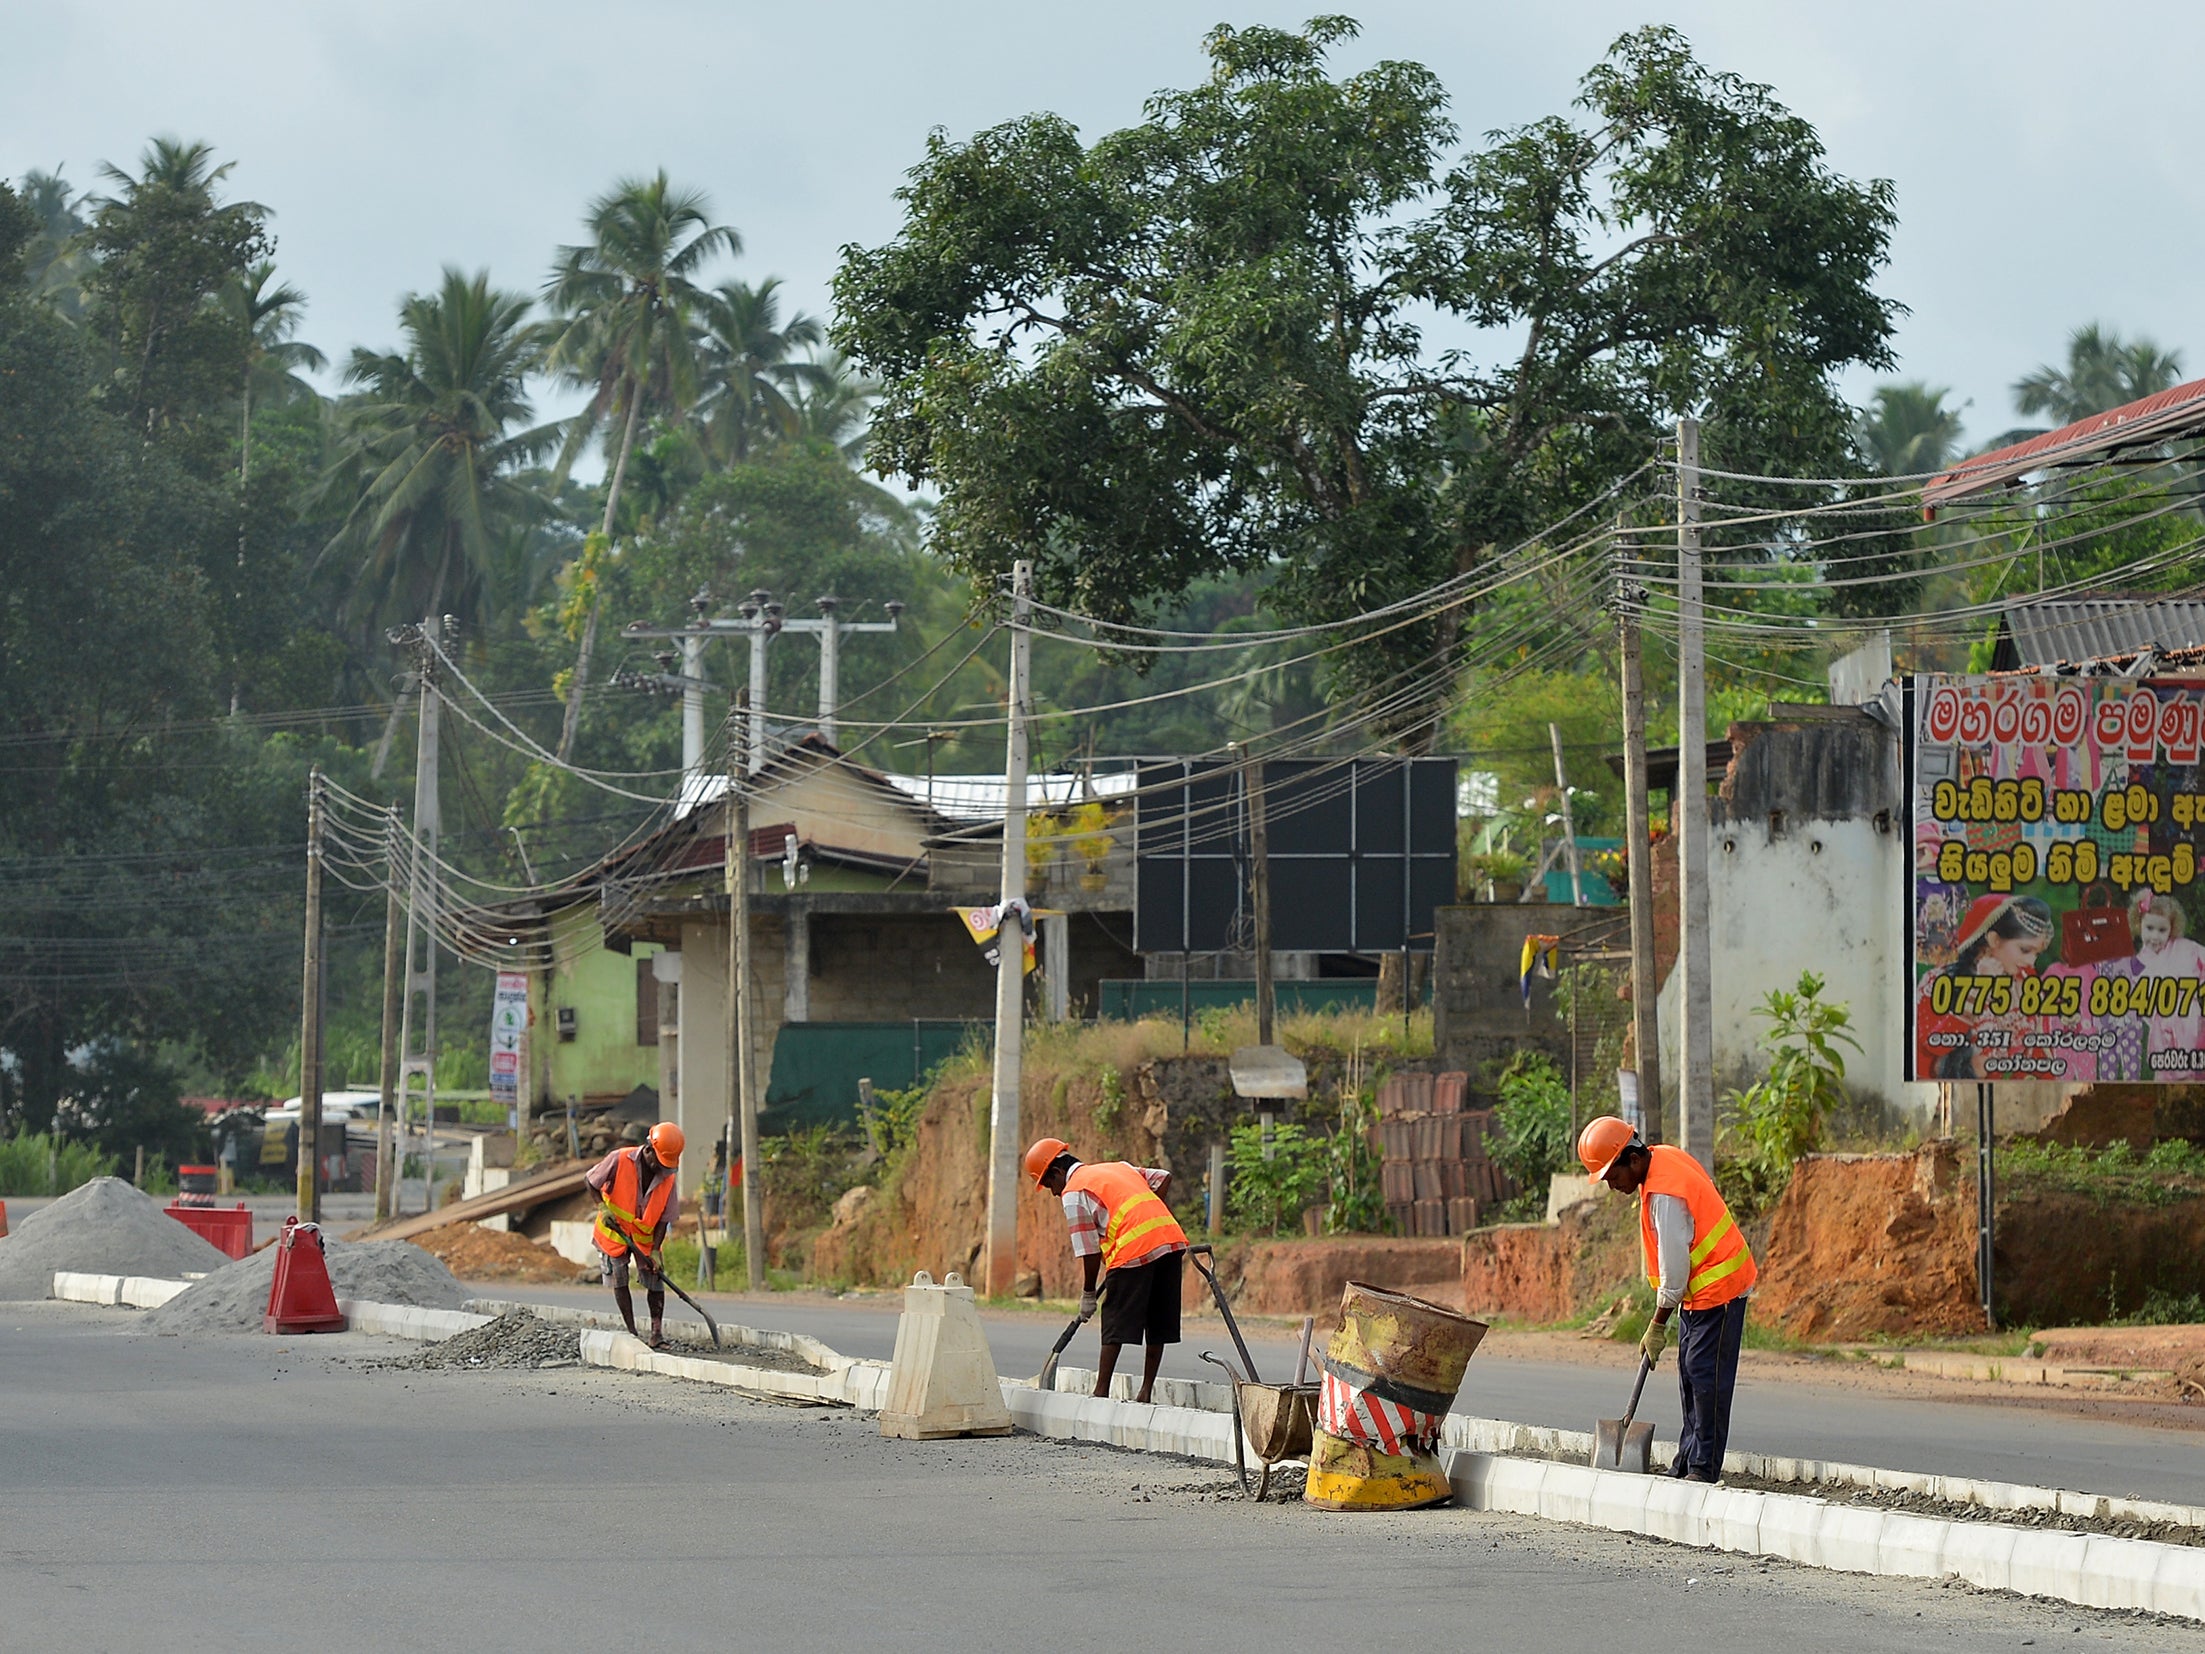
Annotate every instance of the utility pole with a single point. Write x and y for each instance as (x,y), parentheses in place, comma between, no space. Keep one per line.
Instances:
(1569,821)
(742,1074)
(1005,1150)
(394,1005)
(1259,880)
(1639,861)
(831,632)
(310,1016)
(417,1021)
(1696,1053)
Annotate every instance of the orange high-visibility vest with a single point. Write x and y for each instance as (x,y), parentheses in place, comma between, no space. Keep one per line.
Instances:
(620,1223)
(1139,1223)
(1722,1264)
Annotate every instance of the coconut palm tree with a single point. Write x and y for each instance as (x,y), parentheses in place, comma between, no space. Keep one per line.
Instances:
(56,261)
(1907,430)
(627,301)
(428,445)
(751,383)
(267,316)
(834,405)
(2102,371)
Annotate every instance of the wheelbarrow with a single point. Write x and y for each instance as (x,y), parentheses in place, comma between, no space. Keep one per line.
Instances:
(1274,1419)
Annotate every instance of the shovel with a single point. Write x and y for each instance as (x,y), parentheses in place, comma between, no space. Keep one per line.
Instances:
(1047,1378)
(693,1304)
(1618,1444)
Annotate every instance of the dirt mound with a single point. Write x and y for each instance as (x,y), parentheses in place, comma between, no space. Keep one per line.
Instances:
(2132,1348)
(1863,1244)
(104,1228)
(235,1298)
(1306,1277)
(515,1339)
(1549,1272)
(474,1253)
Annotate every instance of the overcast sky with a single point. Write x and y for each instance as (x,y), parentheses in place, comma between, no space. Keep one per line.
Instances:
(2039,150)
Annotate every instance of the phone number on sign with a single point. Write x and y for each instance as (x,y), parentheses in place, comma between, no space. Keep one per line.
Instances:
(2061,996)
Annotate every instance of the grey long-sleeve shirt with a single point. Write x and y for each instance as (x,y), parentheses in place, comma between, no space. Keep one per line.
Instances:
(1673,1247)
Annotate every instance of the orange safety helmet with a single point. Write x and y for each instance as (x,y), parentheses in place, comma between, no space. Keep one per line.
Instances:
(1043,1155)
(1601,1141)
(667,1142)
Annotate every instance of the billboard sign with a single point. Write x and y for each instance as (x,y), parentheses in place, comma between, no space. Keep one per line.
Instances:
(2054,897)
(509,1041)
(1361,851)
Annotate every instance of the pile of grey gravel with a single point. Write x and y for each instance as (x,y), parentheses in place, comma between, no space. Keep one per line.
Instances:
(514,1339)
(235,1298)
(104,1228)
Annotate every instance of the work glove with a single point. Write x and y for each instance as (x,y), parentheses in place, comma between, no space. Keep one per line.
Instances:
(1653,1341)
(1088,1301)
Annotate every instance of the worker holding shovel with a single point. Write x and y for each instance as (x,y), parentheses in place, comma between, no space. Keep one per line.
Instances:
(637,1205)
(1701,1270)
(1118,1219)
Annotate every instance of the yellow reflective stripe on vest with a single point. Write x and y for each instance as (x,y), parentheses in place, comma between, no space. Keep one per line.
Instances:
(1123,1231)
(620,1226)
(1704,1278)
(1714,1236)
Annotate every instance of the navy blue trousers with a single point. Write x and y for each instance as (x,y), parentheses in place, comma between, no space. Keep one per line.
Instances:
(1707,1372)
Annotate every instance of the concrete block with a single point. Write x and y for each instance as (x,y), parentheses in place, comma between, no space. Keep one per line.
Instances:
(1850,1539)
(2120,1573)
(942,1379)
(1790,1526)
(2178,1587)
(1734,1519)
(1911,1547)
(148,1291)
(1982,1553)
(571,1239)
(76,1287)
(1676,1510)
(2047,1563)
(1619,1501)
(1566,1492)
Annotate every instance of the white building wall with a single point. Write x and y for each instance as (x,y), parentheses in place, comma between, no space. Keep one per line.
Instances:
(1825,896)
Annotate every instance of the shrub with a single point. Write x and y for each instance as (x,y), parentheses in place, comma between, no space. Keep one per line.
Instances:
(1268,1192)
(1778,1119)
(1355,1200)
(1533,1120)
(38,1163)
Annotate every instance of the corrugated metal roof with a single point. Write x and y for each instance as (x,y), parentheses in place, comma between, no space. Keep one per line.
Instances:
(2170,413)
(2051,630)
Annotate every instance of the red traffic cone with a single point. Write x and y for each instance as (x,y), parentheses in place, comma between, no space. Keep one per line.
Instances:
(300,1298)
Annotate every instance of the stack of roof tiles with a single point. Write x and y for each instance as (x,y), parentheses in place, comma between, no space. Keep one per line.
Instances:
(1436,1175)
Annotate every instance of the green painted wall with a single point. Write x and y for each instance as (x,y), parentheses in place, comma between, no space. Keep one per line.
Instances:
(600,987)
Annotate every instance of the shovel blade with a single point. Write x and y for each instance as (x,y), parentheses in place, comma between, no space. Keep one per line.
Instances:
(1625,1447)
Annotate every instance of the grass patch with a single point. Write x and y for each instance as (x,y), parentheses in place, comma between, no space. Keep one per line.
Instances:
(2116,1175)
(42,1163)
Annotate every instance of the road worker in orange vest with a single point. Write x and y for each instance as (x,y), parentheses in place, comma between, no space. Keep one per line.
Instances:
(1119,1222)
(637,1204)
(1701,1270)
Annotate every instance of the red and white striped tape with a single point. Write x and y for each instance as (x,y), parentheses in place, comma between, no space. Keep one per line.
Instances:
(1358,1416)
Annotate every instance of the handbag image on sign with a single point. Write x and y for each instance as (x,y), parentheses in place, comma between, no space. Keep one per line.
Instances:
(2095,931)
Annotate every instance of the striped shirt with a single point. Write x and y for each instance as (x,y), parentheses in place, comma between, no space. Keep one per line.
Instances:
(1085,1216)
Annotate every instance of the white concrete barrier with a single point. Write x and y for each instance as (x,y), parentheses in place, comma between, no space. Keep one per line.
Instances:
(847,1383)
(407,1320)
(148,1291)
(74,1287)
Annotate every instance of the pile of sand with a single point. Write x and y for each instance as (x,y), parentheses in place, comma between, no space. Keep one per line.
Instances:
(235,1298)
(104,1228)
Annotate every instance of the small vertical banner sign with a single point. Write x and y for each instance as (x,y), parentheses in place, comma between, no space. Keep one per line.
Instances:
(509,1043)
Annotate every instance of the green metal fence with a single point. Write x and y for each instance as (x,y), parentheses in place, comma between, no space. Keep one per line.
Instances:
(817,1066)
(1128,999)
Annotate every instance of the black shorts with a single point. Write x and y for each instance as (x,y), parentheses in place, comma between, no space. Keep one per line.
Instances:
(1141,1305)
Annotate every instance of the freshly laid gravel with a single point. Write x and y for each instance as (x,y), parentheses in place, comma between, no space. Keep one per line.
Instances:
(235,1298)
(514,1339)
(104,1228)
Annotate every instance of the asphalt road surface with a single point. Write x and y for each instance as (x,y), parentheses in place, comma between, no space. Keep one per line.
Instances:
(250,1493)
(1789,1416)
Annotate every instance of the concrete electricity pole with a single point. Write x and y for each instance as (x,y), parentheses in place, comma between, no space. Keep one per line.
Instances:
(830,633)
(1005,1149)
(394,1003)
(742,1059)
(1569,821)
(417,1023)
(1696,1042)
(1639,860)
(310,1016)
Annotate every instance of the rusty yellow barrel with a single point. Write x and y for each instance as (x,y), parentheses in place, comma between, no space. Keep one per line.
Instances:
(1390,1375)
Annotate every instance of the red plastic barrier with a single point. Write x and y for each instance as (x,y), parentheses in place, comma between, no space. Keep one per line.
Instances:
(229,1228)
(300,1298)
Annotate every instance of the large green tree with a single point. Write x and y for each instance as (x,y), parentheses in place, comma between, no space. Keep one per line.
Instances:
(1200,344)
(628,299)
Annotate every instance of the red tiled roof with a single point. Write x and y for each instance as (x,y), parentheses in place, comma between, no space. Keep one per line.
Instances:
(2175,412)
